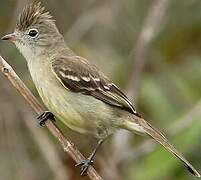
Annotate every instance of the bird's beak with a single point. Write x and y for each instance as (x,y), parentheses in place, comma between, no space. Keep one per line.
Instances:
(10,37)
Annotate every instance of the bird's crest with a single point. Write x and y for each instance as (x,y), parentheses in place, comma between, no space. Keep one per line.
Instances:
(32,14)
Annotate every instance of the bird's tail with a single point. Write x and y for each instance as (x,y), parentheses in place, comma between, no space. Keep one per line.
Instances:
(140,125)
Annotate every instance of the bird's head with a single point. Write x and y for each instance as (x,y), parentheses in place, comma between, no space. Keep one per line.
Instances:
(35,31)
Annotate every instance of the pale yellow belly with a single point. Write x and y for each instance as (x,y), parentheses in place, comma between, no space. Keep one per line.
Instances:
(79,112)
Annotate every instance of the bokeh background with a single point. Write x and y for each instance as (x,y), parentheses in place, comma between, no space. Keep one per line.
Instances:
(152,50)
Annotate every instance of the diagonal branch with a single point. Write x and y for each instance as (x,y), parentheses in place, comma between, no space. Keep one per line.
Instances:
(67,145)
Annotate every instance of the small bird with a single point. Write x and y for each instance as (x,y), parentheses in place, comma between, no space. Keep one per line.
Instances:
(73,89)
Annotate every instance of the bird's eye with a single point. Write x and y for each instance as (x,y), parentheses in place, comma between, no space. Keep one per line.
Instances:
(33,33)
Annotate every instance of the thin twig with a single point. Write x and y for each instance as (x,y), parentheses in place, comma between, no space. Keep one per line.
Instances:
(67,145)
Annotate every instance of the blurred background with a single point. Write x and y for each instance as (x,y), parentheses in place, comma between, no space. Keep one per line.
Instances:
(152,50)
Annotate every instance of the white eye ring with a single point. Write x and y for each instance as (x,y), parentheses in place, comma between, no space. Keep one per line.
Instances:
(33,33)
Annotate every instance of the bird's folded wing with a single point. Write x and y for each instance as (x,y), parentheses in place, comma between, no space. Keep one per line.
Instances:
(78,75)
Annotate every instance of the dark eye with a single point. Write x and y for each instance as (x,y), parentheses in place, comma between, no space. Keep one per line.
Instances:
(33,32)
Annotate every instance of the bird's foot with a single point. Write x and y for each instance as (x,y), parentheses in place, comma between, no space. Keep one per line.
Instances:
(45,116)
(84,166)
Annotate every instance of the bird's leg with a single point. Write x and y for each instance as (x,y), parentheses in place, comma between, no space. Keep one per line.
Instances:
(89,161)
(45,116)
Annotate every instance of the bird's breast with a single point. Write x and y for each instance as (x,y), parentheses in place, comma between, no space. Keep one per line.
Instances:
(80,112)
(66,105)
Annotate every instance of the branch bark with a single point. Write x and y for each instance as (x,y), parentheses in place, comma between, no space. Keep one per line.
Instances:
(67,145)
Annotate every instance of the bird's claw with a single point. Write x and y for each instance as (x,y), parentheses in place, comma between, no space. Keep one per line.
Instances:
(45,116)
(84,166)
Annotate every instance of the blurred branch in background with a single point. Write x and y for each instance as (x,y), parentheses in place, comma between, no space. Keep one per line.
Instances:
(66,144)
(85,22)
(139,54)
(47,148)
(10,138)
